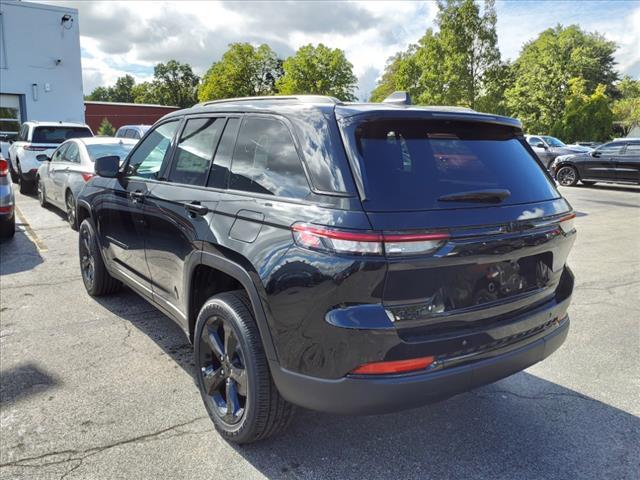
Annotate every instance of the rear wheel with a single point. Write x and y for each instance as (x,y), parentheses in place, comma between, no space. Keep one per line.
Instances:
(42,196)
(95,276)
(233,373)
(13,173)
(567,176)
(70,204)
(8,228)
(26,186)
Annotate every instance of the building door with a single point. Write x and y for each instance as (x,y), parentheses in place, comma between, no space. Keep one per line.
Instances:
(10,117)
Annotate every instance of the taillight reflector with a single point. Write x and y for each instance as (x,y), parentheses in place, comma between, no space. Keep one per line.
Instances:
(4,167)
(567,223)
(367,243)
(87,176)
(397,366)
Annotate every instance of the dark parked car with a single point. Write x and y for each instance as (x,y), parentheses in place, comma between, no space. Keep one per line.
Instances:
(7,202)
(613,162)
(351,258)
(548,148)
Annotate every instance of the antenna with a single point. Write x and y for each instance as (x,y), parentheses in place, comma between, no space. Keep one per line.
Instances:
(398,98)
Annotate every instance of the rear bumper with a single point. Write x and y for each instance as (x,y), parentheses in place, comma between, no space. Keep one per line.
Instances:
(390,393)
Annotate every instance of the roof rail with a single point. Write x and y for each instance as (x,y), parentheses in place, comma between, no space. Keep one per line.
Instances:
(299,98)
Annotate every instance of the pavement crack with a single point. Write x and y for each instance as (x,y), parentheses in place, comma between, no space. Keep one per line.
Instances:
(544,396)
(79,456)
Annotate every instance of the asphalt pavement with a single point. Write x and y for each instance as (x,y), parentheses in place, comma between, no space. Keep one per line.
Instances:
(103,388)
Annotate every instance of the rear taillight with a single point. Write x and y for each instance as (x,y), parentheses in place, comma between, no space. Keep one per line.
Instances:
(87,176)
(4,167)
(397,366)
(367,243)
(31,148)
(567,223)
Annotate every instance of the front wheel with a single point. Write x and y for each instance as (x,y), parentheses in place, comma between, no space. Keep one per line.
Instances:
(567,176)
(233,373)
(95,276)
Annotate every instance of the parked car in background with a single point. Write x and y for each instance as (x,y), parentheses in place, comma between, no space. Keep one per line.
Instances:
(349,258)
(132,131)
(61,176)
(39,138)
(613,162)
(7,201)
(548,148)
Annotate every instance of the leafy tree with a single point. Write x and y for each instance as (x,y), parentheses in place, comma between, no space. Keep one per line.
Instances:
(122,91)
(106,128)
(175,84)
(585,117)
(544,68)
(243,71)
(100,94)
(626,109)
(319,71)
(145,92)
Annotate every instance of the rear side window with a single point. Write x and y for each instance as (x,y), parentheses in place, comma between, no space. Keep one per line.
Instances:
(195,150)
(265,160)
(220,170)
(633,150)
(59,134)
(410,164)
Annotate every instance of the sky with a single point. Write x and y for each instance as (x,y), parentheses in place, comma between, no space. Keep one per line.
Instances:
(117,38)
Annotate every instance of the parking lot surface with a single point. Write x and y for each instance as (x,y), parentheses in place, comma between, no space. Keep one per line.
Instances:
(103,388)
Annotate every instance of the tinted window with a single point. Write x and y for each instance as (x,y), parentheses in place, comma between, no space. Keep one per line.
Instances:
(121,133)
(147,159)
(220,169)
(109,149)
(409,164)
(195,150)
(59,134)
(71,154)
(534,140)
(58,155)
(265,160)
(610,148)
(131,133)
(24,133)
(633,150)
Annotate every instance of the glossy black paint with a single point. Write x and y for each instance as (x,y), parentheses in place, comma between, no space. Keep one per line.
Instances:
(602,165)
(322,315)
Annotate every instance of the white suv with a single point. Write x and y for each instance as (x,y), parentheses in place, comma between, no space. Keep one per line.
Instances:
(35,139)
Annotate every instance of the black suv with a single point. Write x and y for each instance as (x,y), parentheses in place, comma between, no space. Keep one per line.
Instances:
(350,258)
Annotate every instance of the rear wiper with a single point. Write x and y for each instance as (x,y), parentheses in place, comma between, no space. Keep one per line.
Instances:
(481,196)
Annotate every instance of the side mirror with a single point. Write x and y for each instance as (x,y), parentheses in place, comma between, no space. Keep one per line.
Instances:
(43,158)
(596,154)
(540,145)
(108,167)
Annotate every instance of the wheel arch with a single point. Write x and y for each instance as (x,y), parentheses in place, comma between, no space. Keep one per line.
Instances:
(230,276)
(83,211)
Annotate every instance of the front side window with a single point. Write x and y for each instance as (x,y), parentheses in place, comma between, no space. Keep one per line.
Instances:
(610,149)
(72,153)
(265,160)
(195,150)
(149,155)
(534,141)
(58,155)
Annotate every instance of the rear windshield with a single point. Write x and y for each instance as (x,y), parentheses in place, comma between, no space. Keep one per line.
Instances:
(119,149)
(59,134)
(411,164)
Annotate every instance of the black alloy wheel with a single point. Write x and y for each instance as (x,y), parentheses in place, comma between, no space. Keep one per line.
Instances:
(87,258)
(70,204)
(222,371)
(567,176)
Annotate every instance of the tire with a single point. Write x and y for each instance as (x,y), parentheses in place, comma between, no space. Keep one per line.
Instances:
(12,173)
(95,276)
(567,176)
(226,320)
(26,187)
(587,183)
(42,195)
(70,208)
(8,229)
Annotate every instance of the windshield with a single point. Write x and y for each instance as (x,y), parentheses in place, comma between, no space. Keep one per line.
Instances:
(413,164)
(59,134)
(106,150)
(553,142)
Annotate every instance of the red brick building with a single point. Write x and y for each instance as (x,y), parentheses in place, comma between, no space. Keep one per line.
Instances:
(120,114)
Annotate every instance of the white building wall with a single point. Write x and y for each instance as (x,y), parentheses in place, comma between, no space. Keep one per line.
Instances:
(40,61)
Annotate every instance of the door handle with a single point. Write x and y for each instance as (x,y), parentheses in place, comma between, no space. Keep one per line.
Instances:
(196,209)
(137,196)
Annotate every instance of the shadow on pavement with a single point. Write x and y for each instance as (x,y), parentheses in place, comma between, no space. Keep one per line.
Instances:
(607,186)
(18,254)
(23,381)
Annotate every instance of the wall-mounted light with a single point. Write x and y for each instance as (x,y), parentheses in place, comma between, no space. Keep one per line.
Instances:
(34,91)
(66,21)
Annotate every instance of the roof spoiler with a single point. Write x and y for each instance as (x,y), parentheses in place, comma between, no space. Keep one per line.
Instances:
(398,98)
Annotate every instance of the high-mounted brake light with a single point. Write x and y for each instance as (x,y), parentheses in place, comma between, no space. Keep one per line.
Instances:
(397,366)
(87,176)
(4,167)
(367,243)
(567,223)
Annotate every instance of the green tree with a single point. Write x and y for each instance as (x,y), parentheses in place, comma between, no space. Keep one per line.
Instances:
(585,117)
(626,110)
(100,94)
(145,92)
(243,71)
(175,84)
(318,71)
(544,68)
(106,128)
(122,91)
